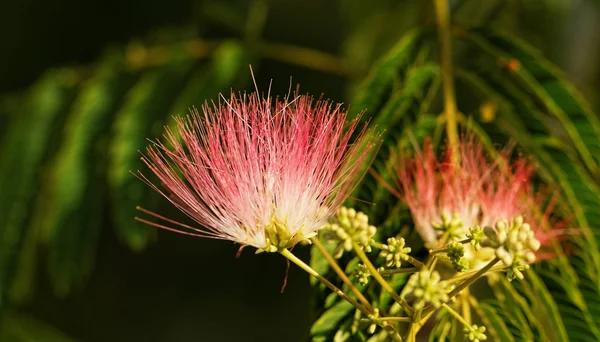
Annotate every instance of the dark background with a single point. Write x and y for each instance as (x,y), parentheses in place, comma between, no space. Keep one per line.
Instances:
(186,289)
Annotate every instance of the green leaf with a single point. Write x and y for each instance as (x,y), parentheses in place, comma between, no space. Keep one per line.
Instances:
(22,328)
(144,112)
(514,305)
(543,305)
(370,93)
(75,203)
(226,69)
(570,303)
(328,322)
(23,151)
(496,328)
(406,105)
(575,121)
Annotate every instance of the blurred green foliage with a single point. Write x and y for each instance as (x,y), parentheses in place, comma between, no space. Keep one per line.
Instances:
(69,140)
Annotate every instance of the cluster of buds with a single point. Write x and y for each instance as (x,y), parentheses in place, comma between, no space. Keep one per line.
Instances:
(451,224)
(394,252)
(475,333)
(456,252)
(362,274)
(427,287)
(515,244)
(350,227)
(476,235)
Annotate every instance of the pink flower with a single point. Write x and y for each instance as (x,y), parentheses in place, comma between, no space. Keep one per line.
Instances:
(480,190)
(261,172)
(435,189)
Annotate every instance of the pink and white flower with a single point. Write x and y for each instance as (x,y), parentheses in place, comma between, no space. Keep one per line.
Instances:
(259,171)
(437,189)
(478,190)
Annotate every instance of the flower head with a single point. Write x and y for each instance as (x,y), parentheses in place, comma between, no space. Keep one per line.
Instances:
(259,171)
(479,190)
(438,193)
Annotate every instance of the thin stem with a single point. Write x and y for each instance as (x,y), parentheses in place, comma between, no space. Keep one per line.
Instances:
(287,53)
(421,323)
(432,260)
(466,283)
(400,270)
(361,254)
(438,251)
(416,262)
(392,332)
(291,257)
(464,305)
(387,319)
(443,21)
(458,317)
(306,57)
(342,274)
(466,275)
(411,335)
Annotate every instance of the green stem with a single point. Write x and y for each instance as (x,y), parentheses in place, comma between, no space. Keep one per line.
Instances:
(392,333)
(400,270)
(363,257)
(432,260)
(459,317)
(306,57)
(416,262)
(443,20)
(342,274)
(466,275)
(411,335)
(466,283)
(387,319)
(464,305)
(291,257)
(421,323)
(437,251)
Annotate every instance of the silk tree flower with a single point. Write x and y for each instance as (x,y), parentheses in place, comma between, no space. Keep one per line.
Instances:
(479,190)
(436,190)
(262,172)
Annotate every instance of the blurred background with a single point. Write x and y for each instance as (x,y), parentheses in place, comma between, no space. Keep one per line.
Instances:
(84,83)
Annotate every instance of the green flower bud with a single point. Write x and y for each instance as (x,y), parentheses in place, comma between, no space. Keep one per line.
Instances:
(348,227)
(451,224)
(362,274)
(477,236)
(373,326)
(426,287)
(394,252)
(475,333)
